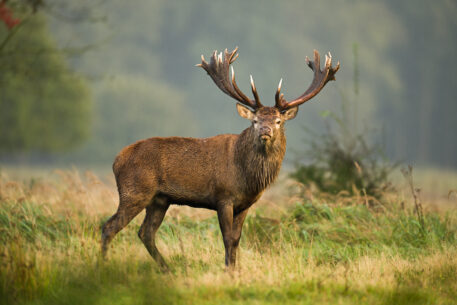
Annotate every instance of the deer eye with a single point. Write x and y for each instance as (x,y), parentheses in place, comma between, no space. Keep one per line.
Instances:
(254,121)
(278,122)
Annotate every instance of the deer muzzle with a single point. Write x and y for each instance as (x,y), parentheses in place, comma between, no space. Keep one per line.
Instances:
(265,133)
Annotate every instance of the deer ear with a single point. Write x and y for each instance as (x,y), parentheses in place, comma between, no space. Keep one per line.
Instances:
(290,113)
(244,112)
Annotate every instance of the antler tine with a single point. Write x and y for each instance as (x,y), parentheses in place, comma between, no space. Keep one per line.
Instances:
(233,55)
(240,93)
(254,92)
(321,78)
(279,96)
(218,69)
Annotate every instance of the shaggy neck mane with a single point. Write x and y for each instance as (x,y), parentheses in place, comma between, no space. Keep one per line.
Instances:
(258,165)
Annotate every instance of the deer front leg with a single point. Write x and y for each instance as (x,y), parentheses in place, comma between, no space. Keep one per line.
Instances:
(225,216)
(237,227)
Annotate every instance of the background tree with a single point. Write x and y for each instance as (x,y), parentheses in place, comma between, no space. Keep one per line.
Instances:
(44,105)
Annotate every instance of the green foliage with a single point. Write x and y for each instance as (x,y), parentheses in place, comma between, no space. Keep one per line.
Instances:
(44,105)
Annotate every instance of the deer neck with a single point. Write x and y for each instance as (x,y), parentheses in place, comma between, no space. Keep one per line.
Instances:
(258,165)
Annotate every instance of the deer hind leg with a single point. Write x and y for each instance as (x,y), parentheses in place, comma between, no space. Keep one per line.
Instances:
(155,213)
(129,207)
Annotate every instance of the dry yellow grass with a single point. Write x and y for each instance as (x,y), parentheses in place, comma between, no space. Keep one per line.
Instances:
(196,253)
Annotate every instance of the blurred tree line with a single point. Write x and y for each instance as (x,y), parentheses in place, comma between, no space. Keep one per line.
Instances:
(45,106)
(143,82)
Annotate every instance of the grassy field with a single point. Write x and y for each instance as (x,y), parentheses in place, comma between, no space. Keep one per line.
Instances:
(298,247)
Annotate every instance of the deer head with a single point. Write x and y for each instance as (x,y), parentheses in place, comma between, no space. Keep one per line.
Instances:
(267,122)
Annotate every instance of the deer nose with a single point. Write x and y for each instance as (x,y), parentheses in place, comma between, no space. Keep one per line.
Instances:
(266,131)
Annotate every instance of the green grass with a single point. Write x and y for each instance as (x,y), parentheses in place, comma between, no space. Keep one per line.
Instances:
(319,252)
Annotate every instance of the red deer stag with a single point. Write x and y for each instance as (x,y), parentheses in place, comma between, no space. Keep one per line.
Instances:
(226,173)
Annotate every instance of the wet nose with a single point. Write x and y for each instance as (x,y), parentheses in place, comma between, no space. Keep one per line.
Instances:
(266,130)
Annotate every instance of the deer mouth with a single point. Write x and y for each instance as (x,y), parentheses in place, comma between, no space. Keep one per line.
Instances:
(265,138)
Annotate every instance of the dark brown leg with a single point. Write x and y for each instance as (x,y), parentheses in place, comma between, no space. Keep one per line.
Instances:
(117,222)
(154,217)
(238,221)
(225,216)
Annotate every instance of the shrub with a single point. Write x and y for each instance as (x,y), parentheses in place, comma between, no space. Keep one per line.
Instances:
(339,161)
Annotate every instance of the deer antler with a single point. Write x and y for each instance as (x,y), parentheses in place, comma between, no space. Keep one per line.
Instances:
(320,79)
(218,69)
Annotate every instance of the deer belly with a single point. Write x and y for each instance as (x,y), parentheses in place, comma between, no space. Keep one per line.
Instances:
(191,191)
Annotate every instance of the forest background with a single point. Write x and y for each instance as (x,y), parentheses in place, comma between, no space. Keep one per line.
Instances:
(81,80)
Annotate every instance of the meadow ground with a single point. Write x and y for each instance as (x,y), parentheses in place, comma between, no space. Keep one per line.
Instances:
(298,247)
